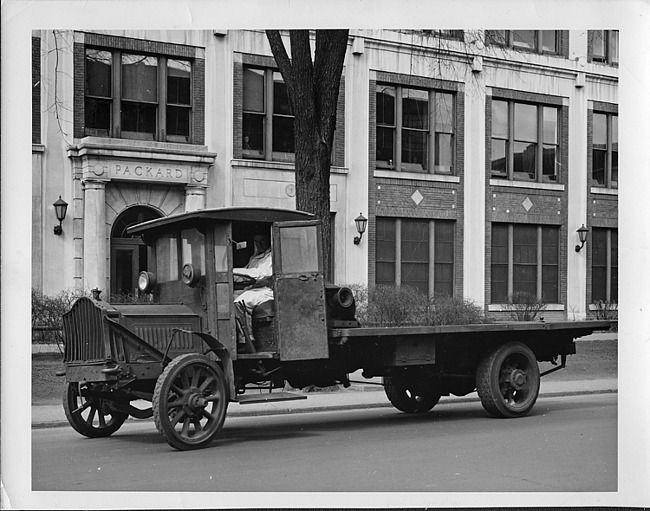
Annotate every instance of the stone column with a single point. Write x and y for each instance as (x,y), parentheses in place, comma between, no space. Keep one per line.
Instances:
(194,198)
(95,243)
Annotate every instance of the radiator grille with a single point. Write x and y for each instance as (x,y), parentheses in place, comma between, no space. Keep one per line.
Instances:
(83,329)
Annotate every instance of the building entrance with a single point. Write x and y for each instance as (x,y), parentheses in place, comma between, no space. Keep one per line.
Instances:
(129,255)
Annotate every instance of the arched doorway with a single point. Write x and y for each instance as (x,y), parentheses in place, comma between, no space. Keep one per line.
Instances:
(129,255)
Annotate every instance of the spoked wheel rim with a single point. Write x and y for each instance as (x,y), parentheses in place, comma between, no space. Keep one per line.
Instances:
(507,380)
(516,381)
(190,401)
(90,415)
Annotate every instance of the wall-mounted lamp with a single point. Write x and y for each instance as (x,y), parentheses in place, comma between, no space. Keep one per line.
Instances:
(582,234)
(361,222)
(60,209)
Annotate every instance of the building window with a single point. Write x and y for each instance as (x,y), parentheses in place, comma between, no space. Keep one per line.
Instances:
(267,116)
(540,41)
(525,259)
(415,129)
(603,46)
(604,265)
(525,141)
(416,253)
(605,150)
(137,96)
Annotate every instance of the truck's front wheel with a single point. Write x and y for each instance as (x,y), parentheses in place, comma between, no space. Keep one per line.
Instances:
(190,401)
(507,380)
(89,414)
(409,397)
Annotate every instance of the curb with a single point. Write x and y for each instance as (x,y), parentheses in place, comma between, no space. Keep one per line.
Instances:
(340,407)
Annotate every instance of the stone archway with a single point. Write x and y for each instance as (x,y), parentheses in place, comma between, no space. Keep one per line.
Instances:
(129,255)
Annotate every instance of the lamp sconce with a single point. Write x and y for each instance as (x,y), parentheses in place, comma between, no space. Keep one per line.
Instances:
(60,209)
(361,222)
(582,234)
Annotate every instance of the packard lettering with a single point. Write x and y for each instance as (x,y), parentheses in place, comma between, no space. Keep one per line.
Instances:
(144,171)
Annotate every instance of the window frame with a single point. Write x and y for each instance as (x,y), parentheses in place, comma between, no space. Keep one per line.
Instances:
(540,263)
(611,262)
(511,139)
(609,182)
(506,39)
(117,100)
(611,46)
(395,259)
(268,115)
(431,130)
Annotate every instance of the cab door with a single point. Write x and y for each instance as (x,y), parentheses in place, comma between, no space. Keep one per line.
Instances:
(299,289)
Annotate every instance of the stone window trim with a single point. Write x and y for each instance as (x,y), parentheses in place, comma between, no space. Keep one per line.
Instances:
(492,38)
(419,82)
(537,99)
(610,109)
(196,55)
(241,60)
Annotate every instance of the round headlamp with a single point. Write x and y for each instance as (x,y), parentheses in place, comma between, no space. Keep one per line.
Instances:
(146,281)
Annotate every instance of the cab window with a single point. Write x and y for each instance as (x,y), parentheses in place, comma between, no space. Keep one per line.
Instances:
(299,249)
(167,259)
(193,249)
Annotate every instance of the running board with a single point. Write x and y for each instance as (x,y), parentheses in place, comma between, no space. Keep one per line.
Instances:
(268,397)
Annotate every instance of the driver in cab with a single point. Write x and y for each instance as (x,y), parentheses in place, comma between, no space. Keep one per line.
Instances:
(259,270)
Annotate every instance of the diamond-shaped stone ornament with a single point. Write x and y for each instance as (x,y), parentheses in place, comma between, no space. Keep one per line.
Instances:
(527,204)
(417,197)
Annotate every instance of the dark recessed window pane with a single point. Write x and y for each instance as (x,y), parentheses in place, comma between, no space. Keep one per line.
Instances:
(179,82)
(253,130)
(550,284)
(598,171)
(385,251)
(139,78)
(549,41)
(253,90)
(414,149)
(415,240)
(178,122)
(416,275)
(444,279)
(524,39)
(598,44)
(283,141)
(614,149)
(499,161)
(97,115)
(524,160)
(415,109)
(499,285)
(550,252)
(549,161)
(613,46)
(385,146)
(524,279)
(281,103)
(139,118)
(98,73)
(386,105)
(600,131)
(444,112)
(550,125)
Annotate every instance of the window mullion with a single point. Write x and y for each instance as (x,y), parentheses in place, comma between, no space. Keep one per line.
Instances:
(511,255)
(608,271)
(539,262)
(398,128)
(431,137)
(510,144)
(608,164)
(162,99)
(398,252)
(268,117)
(432,257)
(117,94)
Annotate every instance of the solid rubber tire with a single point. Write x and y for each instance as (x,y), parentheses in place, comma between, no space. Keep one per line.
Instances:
(81,425)
(397,390)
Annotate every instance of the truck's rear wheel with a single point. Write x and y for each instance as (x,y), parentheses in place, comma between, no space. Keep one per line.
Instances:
(190,401)
(408,397)
(507,380)
(90,415)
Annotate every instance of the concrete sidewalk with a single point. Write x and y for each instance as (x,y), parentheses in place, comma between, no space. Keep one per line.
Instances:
(358,396)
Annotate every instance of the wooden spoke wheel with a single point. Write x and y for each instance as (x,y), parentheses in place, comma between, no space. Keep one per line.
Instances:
(88,414)
(408,397)
(190,401)
(507,380)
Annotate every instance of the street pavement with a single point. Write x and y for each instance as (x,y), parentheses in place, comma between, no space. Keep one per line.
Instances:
(367,394)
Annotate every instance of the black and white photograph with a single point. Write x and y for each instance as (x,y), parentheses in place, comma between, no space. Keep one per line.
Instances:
(306,254)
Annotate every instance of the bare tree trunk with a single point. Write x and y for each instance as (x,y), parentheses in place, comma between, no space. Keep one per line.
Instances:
(313,88)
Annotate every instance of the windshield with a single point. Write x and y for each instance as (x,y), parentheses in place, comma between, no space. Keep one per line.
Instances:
(188,244)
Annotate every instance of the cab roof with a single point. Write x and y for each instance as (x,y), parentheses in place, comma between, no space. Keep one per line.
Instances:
(204,216)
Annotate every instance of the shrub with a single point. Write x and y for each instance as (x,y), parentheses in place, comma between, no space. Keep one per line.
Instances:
(47,315)
(525,306)
(406,306)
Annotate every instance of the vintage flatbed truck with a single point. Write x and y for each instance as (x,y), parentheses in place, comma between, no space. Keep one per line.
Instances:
(189,351)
